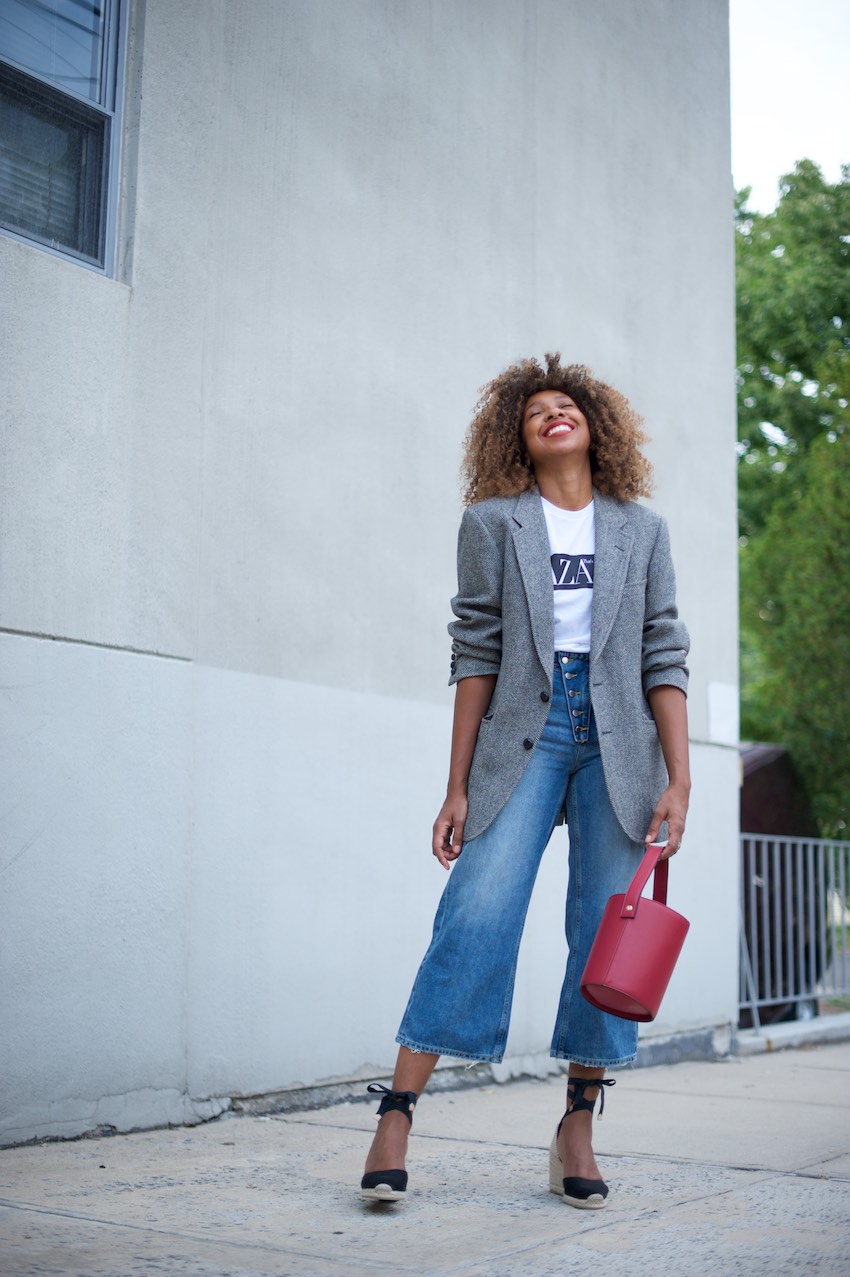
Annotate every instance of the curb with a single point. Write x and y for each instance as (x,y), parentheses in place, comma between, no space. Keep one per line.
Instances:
(797,1033)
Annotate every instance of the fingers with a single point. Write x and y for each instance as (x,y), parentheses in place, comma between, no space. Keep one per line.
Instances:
(672,813)
(447,852)
(674,839)
(654,826)
(447,842)
(441,843)
(675,832)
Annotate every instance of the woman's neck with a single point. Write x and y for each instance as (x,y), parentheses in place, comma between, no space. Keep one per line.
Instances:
(571,489)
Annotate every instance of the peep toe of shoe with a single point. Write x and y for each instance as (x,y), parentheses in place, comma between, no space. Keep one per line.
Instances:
(586,1194)
(388,1186)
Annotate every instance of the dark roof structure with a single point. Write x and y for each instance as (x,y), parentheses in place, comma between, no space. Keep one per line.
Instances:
(773,797)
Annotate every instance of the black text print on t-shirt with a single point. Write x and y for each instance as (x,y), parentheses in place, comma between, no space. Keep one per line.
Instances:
(572,571)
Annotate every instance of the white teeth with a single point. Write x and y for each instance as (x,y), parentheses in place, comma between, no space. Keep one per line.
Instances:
(560,429)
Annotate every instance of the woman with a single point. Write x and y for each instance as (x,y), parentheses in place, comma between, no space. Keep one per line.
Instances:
(569,661)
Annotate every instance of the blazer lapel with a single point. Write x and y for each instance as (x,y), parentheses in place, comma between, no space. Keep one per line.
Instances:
(614,540)
(531,543)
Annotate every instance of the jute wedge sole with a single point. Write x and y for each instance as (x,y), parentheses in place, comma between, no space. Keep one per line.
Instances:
(586,1194)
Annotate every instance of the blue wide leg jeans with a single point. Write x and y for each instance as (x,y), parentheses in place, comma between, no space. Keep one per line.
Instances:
(461,999)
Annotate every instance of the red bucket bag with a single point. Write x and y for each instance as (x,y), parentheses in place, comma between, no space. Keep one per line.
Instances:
(636,947)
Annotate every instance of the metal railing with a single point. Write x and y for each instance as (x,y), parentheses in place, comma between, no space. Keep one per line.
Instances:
(795,919)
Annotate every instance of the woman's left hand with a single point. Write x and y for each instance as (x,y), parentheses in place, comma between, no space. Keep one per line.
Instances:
(672,806)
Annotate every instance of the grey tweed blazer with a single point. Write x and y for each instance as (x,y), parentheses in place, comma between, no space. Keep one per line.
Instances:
(505,626)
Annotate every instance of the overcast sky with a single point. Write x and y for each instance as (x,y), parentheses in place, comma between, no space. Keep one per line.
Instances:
(790,90)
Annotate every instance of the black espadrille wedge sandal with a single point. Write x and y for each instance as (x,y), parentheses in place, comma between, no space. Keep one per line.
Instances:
(388,1186)
(586,1194)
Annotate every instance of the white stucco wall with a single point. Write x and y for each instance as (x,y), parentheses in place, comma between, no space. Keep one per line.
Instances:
(229,506)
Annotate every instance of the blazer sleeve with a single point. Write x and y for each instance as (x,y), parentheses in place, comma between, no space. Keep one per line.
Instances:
(665,638)
(477,630)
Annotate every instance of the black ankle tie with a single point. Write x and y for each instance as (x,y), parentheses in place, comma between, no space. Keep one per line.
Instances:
(394,1101)
(576,1103)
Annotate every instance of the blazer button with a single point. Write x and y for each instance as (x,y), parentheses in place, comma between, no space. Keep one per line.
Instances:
(528,744)
(544,696)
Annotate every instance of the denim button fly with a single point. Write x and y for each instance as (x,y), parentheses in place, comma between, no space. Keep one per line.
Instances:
(576,665)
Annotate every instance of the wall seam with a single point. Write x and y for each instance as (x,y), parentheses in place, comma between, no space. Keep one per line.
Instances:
(108,647)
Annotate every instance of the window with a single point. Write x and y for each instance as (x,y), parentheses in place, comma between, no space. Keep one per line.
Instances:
(59,125)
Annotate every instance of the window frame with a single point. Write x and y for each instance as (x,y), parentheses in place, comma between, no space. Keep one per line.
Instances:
(110,106)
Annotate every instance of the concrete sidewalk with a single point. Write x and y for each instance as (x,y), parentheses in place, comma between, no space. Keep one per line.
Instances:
(739,1167)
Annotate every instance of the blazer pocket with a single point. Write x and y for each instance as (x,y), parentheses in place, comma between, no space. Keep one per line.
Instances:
(483,726)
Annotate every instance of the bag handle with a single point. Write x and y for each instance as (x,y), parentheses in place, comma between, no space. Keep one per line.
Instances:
(649,863)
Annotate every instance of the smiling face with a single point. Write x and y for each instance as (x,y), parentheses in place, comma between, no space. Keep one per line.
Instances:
(554,430)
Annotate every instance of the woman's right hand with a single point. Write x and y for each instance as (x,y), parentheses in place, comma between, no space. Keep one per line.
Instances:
(472,696)
(447,842)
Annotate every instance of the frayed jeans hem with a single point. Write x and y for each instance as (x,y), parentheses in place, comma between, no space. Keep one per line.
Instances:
(587,1063)
(419,1049)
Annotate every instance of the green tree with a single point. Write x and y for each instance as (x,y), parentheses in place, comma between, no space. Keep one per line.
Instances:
(793,304)
(795,606)
(793,290)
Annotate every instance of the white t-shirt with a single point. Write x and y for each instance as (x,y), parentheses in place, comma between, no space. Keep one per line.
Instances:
(572,543)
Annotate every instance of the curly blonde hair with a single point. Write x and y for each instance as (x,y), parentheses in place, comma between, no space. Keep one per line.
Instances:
(495,461)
